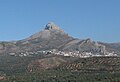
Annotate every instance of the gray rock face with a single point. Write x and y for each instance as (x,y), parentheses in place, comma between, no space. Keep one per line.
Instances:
(85,46)
(51,26)
(112,47)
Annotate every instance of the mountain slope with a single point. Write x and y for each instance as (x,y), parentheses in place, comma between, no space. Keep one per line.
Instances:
(52,37)
(112,47)
(85,46)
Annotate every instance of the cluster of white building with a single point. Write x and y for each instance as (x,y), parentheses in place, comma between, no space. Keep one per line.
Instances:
(63,53)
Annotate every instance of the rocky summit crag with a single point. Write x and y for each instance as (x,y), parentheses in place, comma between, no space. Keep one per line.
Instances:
(53,37)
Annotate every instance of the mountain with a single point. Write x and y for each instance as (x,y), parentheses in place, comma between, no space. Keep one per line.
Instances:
(53,37)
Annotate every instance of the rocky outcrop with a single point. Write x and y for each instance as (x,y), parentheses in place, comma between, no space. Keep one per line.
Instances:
(51,26)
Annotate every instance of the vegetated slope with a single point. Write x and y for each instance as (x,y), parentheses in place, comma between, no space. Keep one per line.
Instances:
(45,63)
(96,69)
(111,64)
(11,65)
(49,62)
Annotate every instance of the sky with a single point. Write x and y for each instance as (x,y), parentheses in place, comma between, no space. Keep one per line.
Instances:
(95,19)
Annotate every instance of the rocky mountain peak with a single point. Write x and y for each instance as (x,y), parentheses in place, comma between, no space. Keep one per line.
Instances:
(51,26)
(51,30)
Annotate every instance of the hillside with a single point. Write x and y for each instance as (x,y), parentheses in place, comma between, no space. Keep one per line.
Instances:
(97,69)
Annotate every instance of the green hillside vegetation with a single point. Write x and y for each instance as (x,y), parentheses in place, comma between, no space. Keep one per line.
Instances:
(95,69)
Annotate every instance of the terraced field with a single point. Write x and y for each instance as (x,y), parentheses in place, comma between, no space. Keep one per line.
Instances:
(96,69)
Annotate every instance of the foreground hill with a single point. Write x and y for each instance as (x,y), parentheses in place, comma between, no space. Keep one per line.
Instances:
(96,69)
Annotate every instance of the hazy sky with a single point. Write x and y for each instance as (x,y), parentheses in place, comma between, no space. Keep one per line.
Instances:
(96,19)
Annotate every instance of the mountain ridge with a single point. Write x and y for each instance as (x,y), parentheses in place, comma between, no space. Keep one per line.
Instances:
(52,37)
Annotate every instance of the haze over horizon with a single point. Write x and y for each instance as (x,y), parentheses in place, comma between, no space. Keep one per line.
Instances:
(98,20)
